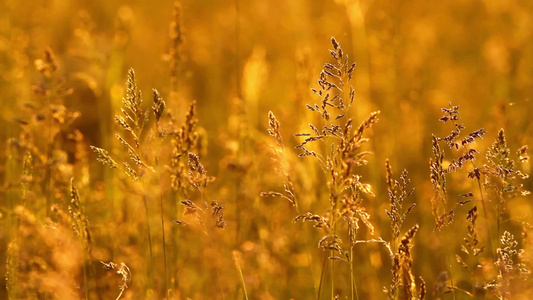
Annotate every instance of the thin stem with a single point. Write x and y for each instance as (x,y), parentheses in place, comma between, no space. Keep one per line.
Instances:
(85,280)
(220,284)
(351,273)
(164,247)
(307,253)
(498,220)
(241,111)
(332,270)
(322,276)
(464,291)
(175,242)
(240,274)
(451,275)
(355,288)
(332,253)
(150,270)
(353,285)
(237,48)
(487,219)
(485,213)
(48,173)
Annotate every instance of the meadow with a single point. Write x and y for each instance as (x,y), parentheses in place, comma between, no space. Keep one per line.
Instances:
(334,149)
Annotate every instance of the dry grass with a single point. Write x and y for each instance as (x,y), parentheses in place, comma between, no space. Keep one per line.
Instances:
(240,178)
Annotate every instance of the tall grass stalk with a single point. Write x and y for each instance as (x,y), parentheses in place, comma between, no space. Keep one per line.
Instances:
(241,277)
(164,246)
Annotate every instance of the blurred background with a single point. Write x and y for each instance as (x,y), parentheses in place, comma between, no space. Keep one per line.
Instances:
(238,60)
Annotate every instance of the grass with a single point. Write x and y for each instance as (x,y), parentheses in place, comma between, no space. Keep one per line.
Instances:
(259,166)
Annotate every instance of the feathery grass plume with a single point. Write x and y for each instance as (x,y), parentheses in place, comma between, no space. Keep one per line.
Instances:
(46,65)
(81,160)
(510,267)
(403,281)
(218,214)
(472,248)
(80,226)
(278,151)
(176,41)
(12,268)
(132,122)
(501,174)
(500,163)
(187,171)
(158,108)
(124,271)
(341,153)
(422,292)
(438,180)
(319,221)
(200,216)
(44,261)
(132,110)
(442,213)
(190,209)
(273,131)
(522,154)
(198,177)
(184,141)
(471,241)
(26,179)
(104,157)
(50,113)
(52,86)
(345,153)
(333,243)
(398,191)
(526,256)
(471,245)
(80,222)
(13,251)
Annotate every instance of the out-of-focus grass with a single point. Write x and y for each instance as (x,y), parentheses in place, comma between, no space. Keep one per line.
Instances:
(238,60)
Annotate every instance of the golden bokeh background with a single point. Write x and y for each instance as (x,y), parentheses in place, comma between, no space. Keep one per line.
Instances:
(239,60)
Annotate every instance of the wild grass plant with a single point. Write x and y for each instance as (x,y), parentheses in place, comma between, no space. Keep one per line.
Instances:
(215,151)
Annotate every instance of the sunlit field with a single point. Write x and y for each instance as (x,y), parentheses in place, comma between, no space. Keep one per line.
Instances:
(335,149)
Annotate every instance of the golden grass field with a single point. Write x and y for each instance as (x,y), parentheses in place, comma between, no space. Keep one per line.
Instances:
(266,149)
